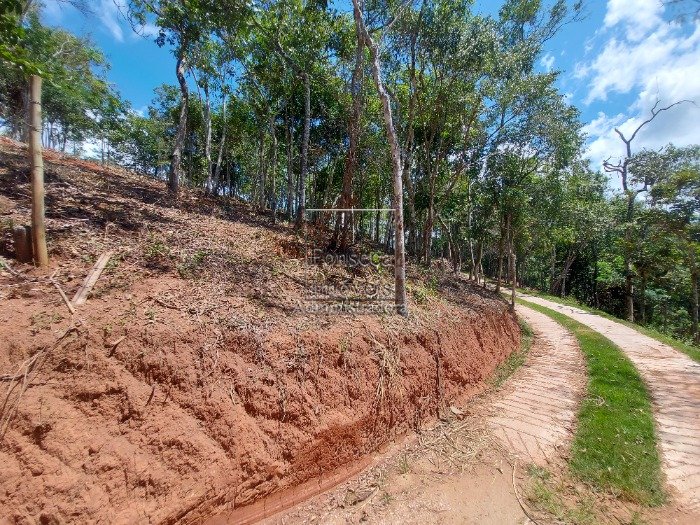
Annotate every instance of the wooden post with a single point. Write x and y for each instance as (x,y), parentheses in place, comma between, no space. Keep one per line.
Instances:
(22,238)
(41,255)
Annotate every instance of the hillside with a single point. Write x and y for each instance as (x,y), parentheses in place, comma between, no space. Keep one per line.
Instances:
(192,380)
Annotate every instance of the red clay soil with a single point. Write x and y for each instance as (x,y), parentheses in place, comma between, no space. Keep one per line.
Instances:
(190,382)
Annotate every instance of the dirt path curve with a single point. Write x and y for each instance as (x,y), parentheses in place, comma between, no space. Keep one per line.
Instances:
(673,380)
(534,415)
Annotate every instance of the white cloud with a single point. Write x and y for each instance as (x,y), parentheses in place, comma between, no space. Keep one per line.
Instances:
(108,12)
(547,62)
(636,16)
(662,64)
(141,112)
(109,15)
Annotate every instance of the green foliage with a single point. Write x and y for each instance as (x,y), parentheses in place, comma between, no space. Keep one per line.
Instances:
(12,35)
(492,149)
(78,104)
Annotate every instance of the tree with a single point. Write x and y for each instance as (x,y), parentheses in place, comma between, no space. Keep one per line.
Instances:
(632,188)
(11,51)
(182,24)
(677,197)
(396,162)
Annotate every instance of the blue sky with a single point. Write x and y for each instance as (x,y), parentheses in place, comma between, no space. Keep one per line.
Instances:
(614,64)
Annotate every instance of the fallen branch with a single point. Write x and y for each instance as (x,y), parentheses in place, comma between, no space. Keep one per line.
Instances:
(164,304)
(82,294)
(6,265)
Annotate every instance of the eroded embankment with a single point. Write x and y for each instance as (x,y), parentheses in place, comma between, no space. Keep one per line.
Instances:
(190,380)
(174,423)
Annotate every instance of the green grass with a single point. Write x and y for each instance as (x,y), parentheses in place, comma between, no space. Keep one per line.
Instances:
(615,447)
(516,359)
(691,351)
(552,497)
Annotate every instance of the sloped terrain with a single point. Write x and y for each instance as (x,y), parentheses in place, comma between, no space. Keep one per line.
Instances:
(192,380)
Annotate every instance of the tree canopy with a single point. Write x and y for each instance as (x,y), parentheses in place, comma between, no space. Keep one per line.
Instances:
(276,102)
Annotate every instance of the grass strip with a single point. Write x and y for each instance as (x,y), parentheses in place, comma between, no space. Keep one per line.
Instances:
(615,446)
(691,351)
(515,360)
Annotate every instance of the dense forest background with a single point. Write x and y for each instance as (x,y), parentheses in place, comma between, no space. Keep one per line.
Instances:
(276,103)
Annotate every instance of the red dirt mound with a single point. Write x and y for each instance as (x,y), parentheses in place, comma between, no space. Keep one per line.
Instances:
(190,382)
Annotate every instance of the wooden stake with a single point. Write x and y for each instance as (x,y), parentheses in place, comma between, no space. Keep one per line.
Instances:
(22,238)
(41,255)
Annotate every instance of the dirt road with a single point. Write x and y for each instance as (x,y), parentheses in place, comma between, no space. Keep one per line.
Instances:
(535,413)
(673,380)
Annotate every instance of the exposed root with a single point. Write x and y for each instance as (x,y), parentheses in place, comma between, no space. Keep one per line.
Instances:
(389,361)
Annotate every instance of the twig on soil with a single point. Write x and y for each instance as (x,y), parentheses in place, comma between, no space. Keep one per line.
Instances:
(62,294)
(6,265)
(25,374)
(164,304)
(150,398)
(520,501)
(368,500)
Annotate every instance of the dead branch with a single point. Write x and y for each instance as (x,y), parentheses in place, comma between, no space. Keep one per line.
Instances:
(6,265)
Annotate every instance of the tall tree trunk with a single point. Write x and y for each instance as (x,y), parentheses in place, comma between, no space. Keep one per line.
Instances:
(346,201)
(207,138)
(378,215)
(220,156)
(629,283)
(301,211)
(477,266)
(290,164)
(36,162)
(259,197)
(453,250)
(500,261)
(428,231)
(408,150)
(176,160)
(273,168)
(397,167)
